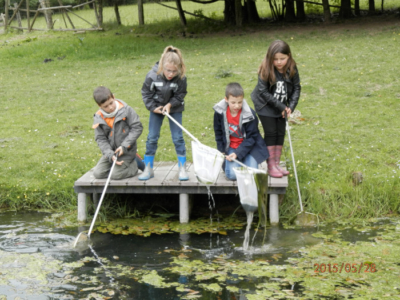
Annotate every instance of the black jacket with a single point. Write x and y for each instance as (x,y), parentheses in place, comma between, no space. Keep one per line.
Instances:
(159,91)
(263,96)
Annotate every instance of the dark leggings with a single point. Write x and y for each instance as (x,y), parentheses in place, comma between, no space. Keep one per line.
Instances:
(274,130)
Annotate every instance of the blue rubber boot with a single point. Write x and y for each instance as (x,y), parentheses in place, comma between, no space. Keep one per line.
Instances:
(148,170)
(183,176)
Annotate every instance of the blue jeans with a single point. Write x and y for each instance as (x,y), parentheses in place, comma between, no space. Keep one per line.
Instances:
(155,123)
(229,165)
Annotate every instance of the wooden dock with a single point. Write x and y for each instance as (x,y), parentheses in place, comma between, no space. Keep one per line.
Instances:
(166,181)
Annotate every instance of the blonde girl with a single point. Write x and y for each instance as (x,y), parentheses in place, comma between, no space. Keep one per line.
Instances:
(164,90)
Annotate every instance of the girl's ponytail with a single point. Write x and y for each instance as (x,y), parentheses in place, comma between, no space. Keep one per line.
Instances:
(172,55)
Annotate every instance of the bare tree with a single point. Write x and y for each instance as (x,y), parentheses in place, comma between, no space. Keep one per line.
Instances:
(181,13)
(327,11)
(371,8)
(290,15)
(357,7)
(301,14)
(140,12)
(345,9)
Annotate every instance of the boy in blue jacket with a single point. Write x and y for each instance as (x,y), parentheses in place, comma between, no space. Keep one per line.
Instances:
(236,131)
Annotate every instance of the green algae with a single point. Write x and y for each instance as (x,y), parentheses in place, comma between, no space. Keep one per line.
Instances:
(154,279)
(334,268)
(158,225)
(31,269)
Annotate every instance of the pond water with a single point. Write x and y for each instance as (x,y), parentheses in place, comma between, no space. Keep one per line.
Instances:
(37,261)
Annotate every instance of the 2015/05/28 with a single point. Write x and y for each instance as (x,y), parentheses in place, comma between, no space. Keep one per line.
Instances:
(353,268)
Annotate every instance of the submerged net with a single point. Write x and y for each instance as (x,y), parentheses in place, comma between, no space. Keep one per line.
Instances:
(207,163)
(247,189)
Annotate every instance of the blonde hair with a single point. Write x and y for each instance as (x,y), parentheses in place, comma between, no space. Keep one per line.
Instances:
(266,69)
(173,56)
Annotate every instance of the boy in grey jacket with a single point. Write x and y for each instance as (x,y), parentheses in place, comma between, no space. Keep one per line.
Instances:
(116,127)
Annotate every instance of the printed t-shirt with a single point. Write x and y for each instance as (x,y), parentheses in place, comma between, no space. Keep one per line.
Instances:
(235,134)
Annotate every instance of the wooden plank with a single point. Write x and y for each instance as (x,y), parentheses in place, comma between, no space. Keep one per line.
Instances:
(161,170)
(28,17)
(79,5)
(278,182)
(85,179)
(55,7)
(192,176)
(172,176)
(166,181)
(15,11)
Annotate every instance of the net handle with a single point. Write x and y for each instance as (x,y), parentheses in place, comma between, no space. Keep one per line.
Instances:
(181,127)
(197,141)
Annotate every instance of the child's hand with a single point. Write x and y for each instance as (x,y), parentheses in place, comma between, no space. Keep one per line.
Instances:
(288,111)
(231,156)
(166,108)
(118,162)
(118,152)
(158,110)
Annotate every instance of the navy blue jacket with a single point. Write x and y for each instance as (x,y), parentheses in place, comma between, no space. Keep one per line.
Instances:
(252,144)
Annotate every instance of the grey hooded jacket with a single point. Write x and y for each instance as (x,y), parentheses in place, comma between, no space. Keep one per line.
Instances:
(159,91)
(126,130)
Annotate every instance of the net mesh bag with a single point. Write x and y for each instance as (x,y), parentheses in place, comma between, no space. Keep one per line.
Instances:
(207,162)
(247,189)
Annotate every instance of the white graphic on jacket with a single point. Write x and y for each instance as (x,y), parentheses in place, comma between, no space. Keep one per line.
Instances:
(280,92)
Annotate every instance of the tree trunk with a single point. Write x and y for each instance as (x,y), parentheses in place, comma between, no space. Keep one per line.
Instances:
(140,12)
(238,13)
(101,12)
(229,12)
(181,13)
(371,9)
(252,13)
(47,13)
(290,14)
(327,11)
(357,7)
(345,9)
(117,15)
(301,13)
(382,6)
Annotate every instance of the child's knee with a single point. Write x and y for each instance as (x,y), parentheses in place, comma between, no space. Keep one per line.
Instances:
(100,174)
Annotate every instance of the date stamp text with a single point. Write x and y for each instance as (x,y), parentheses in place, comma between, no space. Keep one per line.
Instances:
(345,267)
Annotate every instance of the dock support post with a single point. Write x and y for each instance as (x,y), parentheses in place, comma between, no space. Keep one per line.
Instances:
(273,209)
(95,198)
(184,208)
(82,207)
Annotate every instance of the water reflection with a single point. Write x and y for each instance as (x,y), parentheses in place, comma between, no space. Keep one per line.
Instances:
(28,245)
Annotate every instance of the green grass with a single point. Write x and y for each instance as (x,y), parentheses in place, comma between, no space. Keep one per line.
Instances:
(349,101)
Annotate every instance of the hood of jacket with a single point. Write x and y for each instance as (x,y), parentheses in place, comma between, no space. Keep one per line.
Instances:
(246,116)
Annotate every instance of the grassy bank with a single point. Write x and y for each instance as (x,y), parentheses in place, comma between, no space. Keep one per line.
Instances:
(349,107)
